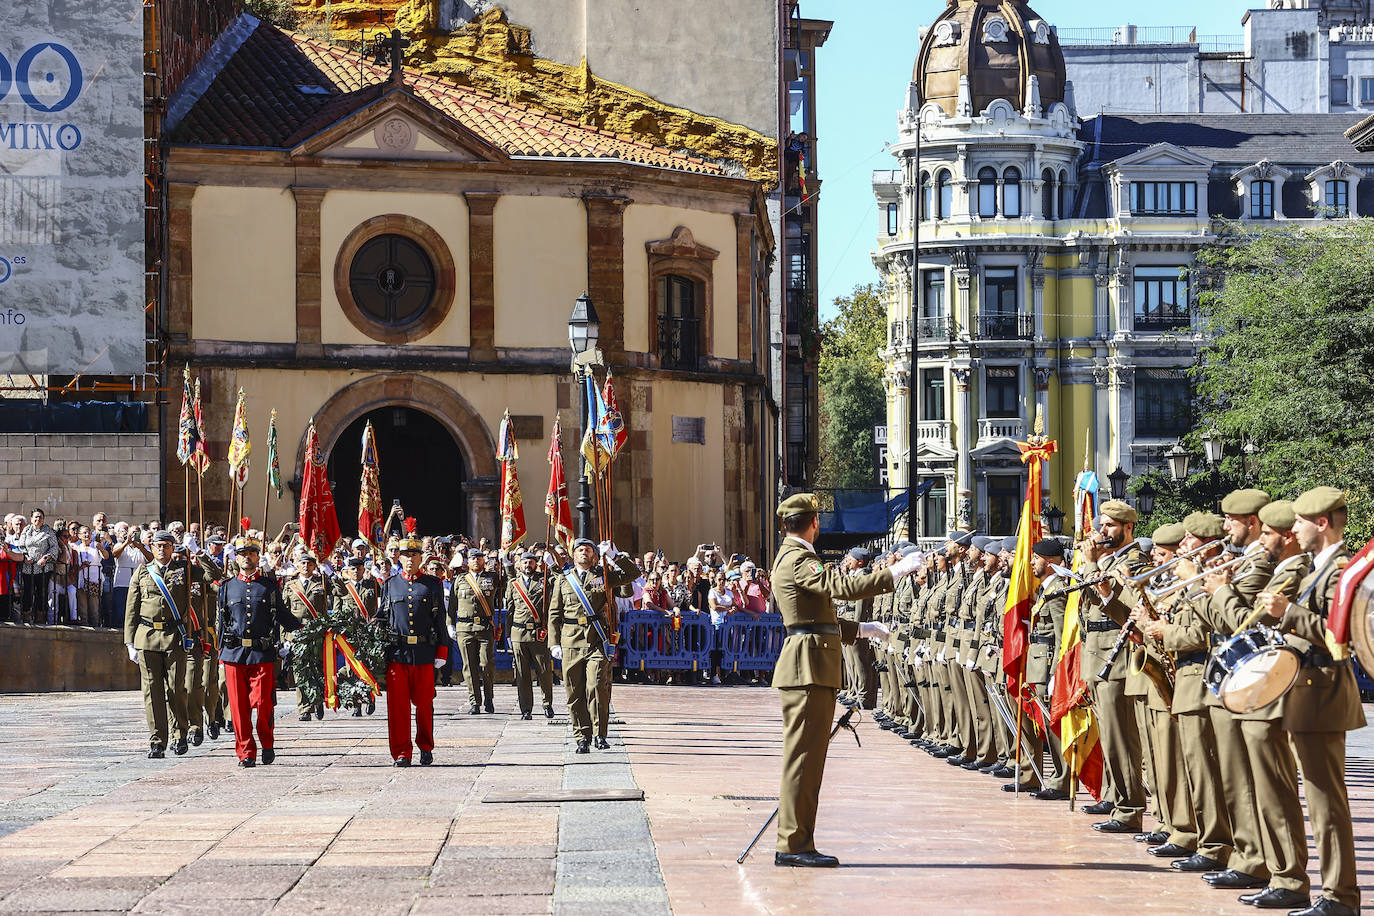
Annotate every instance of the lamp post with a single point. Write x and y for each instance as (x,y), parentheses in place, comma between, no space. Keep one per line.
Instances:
(584,328)
(1054,520)
(1117,480)
(1178,462)
(1250,454)
(1213,447)
(1145,498)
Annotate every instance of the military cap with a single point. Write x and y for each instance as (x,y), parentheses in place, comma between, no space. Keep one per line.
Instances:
(244,542)
(963,538)
(909,549)
(979,542)
(1204,525)
(1170,535)
(164,537)
(1118,511)
(1318,501)
(798,504)
(215,539)
(861,555)
(901,545)
(584,542)
(356,562)
(304,556)
(1049,547)
(1278,515)
(1244,502)
(1009,544)
(530,555)
(411,540)
(953,535)
(1145,545)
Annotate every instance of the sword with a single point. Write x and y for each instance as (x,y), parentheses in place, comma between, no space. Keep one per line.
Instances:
(1010,723)
(846,722)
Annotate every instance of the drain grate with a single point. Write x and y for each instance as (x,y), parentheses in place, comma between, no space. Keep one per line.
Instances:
(772,798)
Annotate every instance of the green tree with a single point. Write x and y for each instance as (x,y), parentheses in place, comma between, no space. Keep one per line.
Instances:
(850,376)
(1291,363)
(277,12)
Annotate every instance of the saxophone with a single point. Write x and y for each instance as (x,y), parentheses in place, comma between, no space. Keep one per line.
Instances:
(1152,659)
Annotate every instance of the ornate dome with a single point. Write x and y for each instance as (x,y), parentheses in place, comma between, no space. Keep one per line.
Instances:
(999,45)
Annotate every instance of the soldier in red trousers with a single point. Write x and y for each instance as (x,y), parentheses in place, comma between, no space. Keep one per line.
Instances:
(411,605)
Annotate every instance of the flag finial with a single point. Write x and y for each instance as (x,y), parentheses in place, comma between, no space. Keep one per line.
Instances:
(1088,450)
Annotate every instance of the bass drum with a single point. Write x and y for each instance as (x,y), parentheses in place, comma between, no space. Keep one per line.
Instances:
(1252,669)
(1362,624)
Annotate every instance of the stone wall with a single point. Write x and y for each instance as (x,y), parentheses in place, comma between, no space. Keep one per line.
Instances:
(52,659)
(74,475)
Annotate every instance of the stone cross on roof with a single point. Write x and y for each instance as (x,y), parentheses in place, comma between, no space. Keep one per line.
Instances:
(393,49)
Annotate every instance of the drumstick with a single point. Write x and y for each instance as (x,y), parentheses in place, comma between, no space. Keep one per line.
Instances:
(1259,612)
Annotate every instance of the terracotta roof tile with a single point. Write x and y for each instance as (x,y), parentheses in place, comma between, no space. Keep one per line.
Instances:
(281,88)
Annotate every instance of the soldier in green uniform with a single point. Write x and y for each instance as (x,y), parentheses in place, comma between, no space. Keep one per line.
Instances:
(1047,623)
(1324,704)
(155,631)
(353,591)
(306,598)
(200,628)
(213,565)
(807,673)
(471,610)
(529,636)
(577,620)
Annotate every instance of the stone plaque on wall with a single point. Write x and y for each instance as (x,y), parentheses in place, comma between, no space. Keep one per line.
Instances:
(689,429)
(527,426)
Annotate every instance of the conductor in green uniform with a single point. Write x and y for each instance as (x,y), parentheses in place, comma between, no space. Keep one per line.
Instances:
(807,674)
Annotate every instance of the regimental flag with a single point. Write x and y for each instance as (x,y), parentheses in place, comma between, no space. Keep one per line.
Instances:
(611,427)
(512,506)
(200,458)
(186,428)
(556,504)
(1069,705)
(273,466)
(370,492)
(239,446)
(319,523)
(1021,589)
(1085,489)
(593,444)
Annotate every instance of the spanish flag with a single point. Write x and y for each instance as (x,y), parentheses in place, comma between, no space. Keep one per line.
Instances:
(1069,706)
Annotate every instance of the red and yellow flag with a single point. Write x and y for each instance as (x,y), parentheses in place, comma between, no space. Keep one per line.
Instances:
(512,506)
(556,504)
(1021,590)
(370,519)
(1069,705)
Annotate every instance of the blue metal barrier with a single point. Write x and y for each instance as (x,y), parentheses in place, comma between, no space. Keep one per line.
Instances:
(751,643)
(505,658)
(651,642)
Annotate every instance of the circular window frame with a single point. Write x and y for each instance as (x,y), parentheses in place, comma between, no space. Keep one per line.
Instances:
(445,278)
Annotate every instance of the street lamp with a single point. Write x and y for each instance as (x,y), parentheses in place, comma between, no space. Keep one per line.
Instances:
(1118,479)
(584,328)
(1251,459)
(1178,462)
(1212,447)
(1145,498)
(1054,518)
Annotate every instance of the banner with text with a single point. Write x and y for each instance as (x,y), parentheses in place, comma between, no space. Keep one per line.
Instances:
(71,187)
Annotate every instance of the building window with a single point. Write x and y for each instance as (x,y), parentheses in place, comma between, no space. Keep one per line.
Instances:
(934,509)
(1163,198)
(680,294)
(987,192)
(1004,503)
(1340,91)
(1163,401)
(1161,298)
(1011,193)
(1338,199)
(1367,90)
(1000,318)
(1002,386)
(1261,199)
(926,211)
(679,327)
(394,278)
(891,219)
(1047,195)
(932,394)
(1063,208)
(945,191)
(933,319)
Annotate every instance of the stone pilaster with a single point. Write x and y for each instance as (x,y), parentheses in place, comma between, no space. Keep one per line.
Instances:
(481,274)
(606,270)
(308,271)
(745,309)
(1101,305)
(177,308)
(964,439)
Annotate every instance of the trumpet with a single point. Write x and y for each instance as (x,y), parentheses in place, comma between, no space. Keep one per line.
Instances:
(1183,584)
(1178,558)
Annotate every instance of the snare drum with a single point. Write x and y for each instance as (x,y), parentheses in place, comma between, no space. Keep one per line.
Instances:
(1252,669)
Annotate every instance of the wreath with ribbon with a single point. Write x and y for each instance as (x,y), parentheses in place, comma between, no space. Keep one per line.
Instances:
(338,658)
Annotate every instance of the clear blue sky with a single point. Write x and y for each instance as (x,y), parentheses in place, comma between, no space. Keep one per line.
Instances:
(863,71)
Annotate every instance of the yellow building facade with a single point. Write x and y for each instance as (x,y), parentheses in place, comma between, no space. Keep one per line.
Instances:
(353,244)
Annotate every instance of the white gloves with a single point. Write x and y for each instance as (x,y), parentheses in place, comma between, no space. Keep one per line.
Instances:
(452,633)
(905,566)
(284,650)
(133,653)
(438,662)
(874,630)
(557,652)
(608,550)
(551,561)
(941,656)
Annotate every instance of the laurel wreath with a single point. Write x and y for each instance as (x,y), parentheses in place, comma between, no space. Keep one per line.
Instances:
(371,643)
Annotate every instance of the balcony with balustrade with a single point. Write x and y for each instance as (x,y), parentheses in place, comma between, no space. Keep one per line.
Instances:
(996,429)
(1002,326)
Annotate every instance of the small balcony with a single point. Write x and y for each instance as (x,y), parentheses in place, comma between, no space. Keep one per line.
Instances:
(679,343)
(991,429)
(938,327)
(934,433)
(1162,320)
(999,326)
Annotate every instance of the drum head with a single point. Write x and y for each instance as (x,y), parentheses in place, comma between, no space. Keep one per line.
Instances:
(1362,624)
(1260,679)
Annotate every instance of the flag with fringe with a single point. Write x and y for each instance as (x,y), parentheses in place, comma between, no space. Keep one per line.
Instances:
(239,445)
(512,506)
(556,504)
(370,518)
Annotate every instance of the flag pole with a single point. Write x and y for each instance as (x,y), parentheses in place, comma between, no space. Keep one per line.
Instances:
(186,476)
(266,493)
(200,504)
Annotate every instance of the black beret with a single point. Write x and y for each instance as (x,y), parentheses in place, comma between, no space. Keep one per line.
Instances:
(1049,547)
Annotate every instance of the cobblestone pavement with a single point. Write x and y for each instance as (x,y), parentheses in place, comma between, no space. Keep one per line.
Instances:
(88,824)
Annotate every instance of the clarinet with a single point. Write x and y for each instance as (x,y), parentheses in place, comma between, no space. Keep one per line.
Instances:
(1121,639)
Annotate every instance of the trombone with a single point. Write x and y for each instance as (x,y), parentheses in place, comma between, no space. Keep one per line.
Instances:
(1157,593)
(1153,571)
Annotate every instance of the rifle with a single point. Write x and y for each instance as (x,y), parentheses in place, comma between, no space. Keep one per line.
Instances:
(846,722)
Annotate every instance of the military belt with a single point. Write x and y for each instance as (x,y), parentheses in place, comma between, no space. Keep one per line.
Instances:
(1042,640)
(1187,659)
(152,624)
(1102,626)
(967,624)
(814,629)
(462,620)
(1315,658)
(412,640)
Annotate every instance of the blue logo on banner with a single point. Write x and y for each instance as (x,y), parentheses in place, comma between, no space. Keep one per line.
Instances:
(22,72)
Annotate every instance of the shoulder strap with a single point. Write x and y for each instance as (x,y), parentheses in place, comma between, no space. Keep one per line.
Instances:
(477,590)
(171,604)
(352,590)
(524,596)
(300,593)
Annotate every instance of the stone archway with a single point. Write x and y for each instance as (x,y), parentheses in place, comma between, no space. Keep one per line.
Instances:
(454,413)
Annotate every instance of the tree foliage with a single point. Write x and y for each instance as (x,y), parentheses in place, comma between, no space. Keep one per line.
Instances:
(278,12)
(852,400)
(1291,363)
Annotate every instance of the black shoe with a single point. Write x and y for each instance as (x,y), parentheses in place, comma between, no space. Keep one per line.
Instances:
(426,758)
(526,716)
(548,712)
(214,731)
(247,762)
(956,760)
(1196,863)
(401,762)
(1153,838)
(938,753)
(319,710)
(972,766)
(473,710)
(268,755)
(179,747)
(1003,772)
(1116,826)
(601,744)
(371,706)
(582,748)
(1276,898)
(1048,794)
(988,768)
(888,725)
(304,717)
(357,712)
(1011,787)
(1325,906)
(1233,880)
(156,753)
(1170,851)
(229,727)
(197,739)
(1102,807)
(446,683)
(811,859)
(488,707)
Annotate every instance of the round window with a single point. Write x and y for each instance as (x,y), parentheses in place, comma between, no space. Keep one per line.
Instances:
(392,280)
